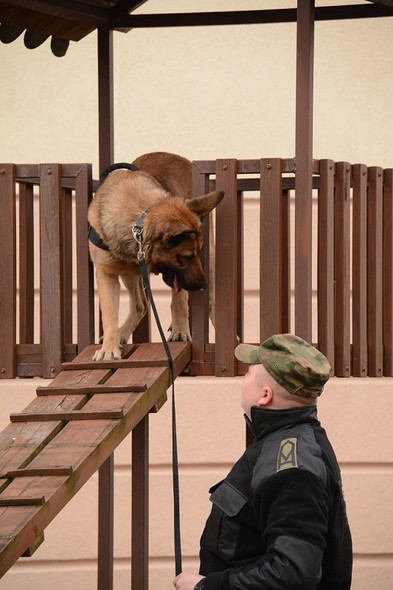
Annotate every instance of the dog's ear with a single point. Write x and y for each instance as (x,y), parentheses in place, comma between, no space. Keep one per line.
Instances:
(203,205)
(172,240)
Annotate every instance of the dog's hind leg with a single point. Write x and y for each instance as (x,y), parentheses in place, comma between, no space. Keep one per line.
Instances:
(109,296)
(137,305)
(180,328)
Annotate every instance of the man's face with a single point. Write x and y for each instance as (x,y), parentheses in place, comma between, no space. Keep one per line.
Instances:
(251,388)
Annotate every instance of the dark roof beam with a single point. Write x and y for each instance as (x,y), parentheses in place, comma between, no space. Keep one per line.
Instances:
(243,17)
(122,7)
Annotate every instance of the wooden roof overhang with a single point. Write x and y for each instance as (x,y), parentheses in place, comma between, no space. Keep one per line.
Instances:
(67,20)
(71,20)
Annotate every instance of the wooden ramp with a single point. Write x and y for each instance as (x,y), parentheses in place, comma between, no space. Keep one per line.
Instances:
(50,450)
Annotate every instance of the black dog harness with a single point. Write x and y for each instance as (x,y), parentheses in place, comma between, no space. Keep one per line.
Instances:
(92,234)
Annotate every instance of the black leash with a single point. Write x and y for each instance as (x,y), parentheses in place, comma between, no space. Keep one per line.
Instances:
(137,231)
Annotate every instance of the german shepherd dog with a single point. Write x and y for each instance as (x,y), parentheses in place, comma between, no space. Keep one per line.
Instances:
(159,188)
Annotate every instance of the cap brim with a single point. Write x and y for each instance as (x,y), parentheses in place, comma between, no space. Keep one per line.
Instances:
(248,353)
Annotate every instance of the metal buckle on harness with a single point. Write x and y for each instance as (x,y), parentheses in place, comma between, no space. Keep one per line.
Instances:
(137,232)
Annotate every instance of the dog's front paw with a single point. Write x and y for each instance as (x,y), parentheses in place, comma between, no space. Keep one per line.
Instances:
(175,336)
(107,354)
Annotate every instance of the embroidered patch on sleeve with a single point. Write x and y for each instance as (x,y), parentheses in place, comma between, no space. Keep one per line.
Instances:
(287,454)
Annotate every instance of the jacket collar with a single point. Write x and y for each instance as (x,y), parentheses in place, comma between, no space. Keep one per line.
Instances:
(265,421)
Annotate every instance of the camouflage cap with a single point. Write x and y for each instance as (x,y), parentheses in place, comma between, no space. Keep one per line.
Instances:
(296,365)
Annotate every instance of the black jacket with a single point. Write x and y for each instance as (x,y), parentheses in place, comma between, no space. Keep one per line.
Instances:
(278,520)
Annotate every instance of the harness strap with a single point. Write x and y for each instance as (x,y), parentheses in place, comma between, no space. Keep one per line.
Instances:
(92,234)
(96,240)
(119,166)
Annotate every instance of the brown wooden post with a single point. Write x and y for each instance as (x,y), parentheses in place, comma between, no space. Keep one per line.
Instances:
(105,525)
(106,151)
(51,267)
(226,277)
(303,184)
(7,273)
(105,98)
(271,267)
(140,505)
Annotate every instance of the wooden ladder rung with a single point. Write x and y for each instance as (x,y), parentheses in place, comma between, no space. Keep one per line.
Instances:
(67,416)
(120,364)
(37,472)
(39,501)
(90,390)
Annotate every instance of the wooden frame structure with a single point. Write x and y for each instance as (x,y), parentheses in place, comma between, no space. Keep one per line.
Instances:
(371,191)
(354,270)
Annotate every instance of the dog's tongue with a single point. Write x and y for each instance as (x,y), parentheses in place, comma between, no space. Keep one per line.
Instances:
(176,284)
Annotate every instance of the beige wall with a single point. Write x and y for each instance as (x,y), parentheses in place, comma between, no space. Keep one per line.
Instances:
(207,93)
(357,414)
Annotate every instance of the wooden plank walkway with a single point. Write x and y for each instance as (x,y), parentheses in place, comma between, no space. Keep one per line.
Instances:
(51,448)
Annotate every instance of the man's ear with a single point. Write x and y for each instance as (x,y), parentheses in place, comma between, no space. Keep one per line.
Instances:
(266,396)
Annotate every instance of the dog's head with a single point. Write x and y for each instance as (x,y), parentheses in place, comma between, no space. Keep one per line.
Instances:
(176,240)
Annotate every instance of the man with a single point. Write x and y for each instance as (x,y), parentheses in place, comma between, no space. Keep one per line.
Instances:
(278,520)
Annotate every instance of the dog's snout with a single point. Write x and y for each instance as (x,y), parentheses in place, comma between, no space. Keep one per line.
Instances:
(194,285)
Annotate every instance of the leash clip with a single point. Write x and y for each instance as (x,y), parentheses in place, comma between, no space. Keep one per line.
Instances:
(137,233)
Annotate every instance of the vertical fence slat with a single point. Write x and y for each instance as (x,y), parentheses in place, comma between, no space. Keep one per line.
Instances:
(7,272)
(286,263)
(271,272)
(199,301)
(388,273)
(226,275)
(374,294)
(325,282)
(26,263)
(67,262)
(84,267)
(51,269)
(342,270)
(359,270)
(240,267)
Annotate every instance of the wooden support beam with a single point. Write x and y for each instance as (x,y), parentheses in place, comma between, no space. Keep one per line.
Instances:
(303,200)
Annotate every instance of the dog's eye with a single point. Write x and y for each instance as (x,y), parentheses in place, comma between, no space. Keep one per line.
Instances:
(187,257)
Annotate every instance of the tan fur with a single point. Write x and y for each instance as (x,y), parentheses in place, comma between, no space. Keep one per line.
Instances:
(172,241)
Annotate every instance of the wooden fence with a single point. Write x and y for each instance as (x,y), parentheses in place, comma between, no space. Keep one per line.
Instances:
(354,248)
(47,280)
(353,243)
